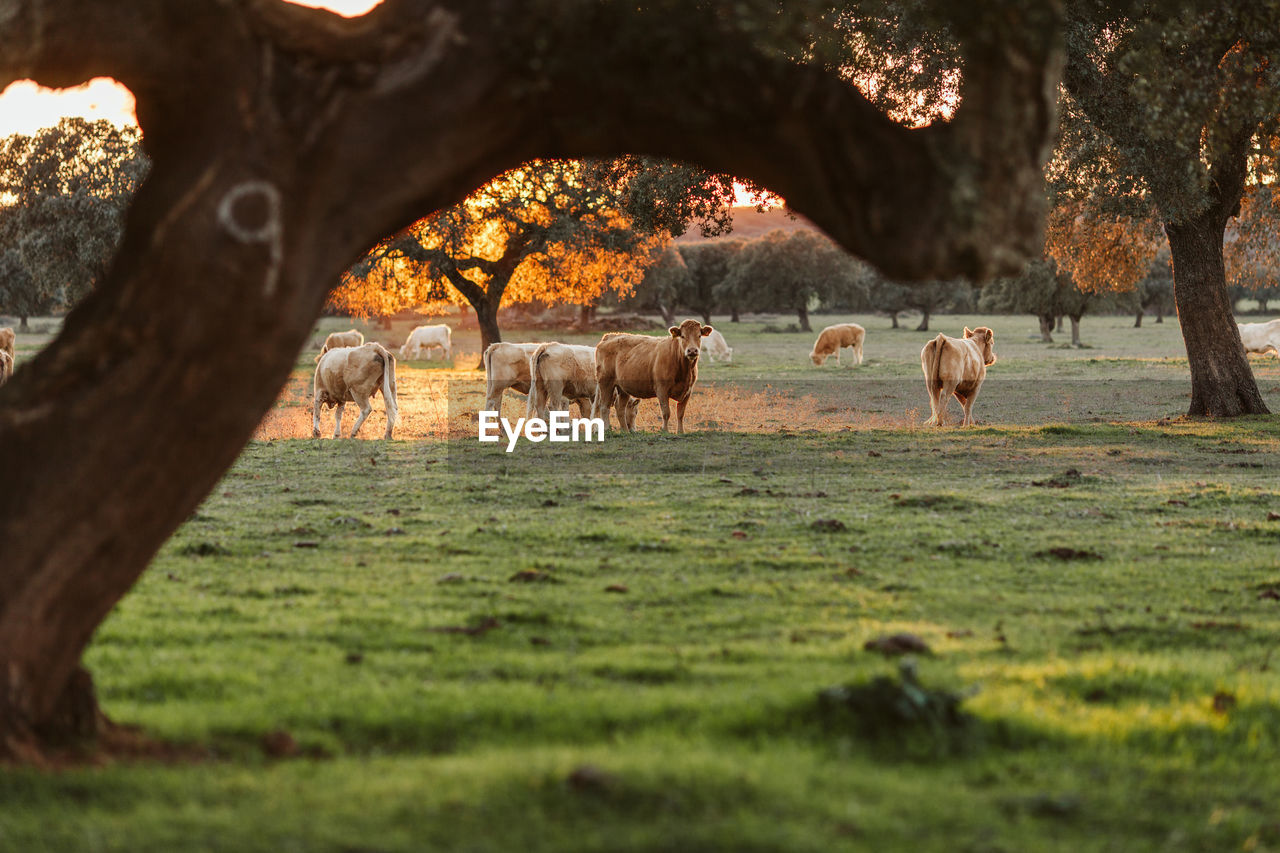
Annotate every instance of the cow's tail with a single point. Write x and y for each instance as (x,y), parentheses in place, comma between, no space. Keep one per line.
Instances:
(537,380)
(323,350)
(938,344)
(389,385)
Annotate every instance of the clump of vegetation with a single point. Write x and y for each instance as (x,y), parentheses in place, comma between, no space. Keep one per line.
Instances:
(900,710)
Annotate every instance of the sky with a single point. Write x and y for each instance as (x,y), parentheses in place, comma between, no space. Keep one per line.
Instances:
(26,107)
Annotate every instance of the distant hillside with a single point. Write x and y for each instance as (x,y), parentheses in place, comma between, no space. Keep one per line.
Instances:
(748,223)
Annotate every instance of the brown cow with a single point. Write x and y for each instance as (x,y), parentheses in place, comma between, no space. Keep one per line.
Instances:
(559,373)
(641,366)
(354,375)
(7,338)
(6,366)
(956,366)
(505,366)
(832,339)
(335,340)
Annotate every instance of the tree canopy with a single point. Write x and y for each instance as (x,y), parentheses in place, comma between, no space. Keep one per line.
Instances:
(65,190)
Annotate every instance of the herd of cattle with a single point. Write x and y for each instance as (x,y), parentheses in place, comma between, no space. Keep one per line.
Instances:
(623,369)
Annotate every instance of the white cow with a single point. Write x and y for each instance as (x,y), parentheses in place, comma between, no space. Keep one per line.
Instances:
(505,366)
(354,375)
(559,373)
(1261,337)
(428,338)
(350,338)
(716,348)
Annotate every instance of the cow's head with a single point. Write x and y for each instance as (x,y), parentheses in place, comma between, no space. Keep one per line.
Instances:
(984,338)
(689,334)
(819,360)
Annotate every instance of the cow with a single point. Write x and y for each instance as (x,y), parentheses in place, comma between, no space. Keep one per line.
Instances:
(640,366)
(7,339)
(505,366)
(834,338)
(1256,337)
(354,375)
(428,338)
(335,340)
(956,366)
(559,373)
(6,366)
(716,347)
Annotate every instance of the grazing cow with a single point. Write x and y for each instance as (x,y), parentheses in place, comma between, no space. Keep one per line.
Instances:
(832,339)
(956,366)
(641,366)
(1256,337)
(559,373)
(6,366)
(716,347)
(428,338)
(340,339)
(505,366)
(7,338)
(354,375)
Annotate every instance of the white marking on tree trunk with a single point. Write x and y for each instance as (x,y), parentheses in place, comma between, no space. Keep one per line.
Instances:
(270,233)
(443,28)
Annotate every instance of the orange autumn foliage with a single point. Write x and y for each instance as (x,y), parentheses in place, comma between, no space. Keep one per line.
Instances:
(1102,252)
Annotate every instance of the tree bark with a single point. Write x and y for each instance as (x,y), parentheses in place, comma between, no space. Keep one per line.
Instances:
(1075,331)
(22,325)
(265,119)
(1046,328)
(1058,322)
(803,313)
(733,314)
(1137,319)
(894,318)
(668,314)
(924,321)
(1222,383)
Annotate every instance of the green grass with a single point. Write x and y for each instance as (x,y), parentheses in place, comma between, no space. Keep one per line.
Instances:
(1127,699)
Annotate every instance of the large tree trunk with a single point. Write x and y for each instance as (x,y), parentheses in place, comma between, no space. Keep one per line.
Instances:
(1058,327)
(924,321)
(1075,330)
(1046,328)
(22,325)
(264,120)
(1222,383)
(733,314)
(487,317)
(803,313)
(894,317)
(1137,319)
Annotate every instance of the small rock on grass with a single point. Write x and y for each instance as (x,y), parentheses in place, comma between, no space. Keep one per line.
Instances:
(897,644)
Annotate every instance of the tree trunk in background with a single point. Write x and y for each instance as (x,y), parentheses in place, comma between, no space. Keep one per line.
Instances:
(1137,319)
(924,322)
(1075,331)
(1046,328)
(803,313)
(22,325)
(894,318)
(706,317)
(487,318)
(1058,328)
(1262,305)
(733,314)
(1222,383)
(1160,316)
(668,314)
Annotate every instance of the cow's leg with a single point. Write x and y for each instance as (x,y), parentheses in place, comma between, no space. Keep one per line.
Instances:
(493,398)
(680,404)
(315,417)
(365,408)
(838,354)
(945,393)
(966,403)
(337,419)
(604,399)
(633,406)
(665,405)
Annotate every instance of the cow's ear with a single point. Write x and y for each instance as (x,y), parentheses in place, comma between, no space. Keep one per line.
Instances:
(968,333)
(675,331)
(706,330)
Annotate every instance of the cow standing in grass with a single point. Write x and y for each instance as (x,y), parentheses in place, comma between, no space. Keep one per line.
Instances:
(832,339)
(716,347)
(8,354)
(956,366)
(642,367)
(427,338)
(335,340)
(354,375)
(1261,337)
(505,366)
(559,373)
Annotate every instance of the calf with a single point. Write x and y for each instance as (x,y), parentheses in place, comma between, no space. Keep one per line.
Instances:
(1256,337)
(7,339)
(832,339)
(354,375)
(428,338)
(640,366)
(340,339)
(956,366)
(559,373)
(6,366)
(716,346)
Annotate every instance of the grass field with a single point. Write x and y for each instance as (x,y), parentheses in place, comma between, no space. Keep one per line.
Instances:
(625,646)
